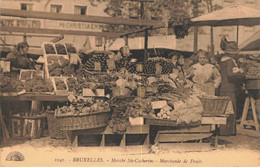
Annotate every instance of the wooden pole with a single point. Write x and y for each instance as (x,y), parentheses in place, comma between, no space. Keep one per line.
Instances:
(196,14)
(237,32)
(146,46)
(126,40)
(211,32)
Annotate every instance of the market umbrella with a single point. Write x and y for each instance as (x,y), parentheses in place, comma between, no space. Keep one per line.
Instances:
(229,16)
(236,15)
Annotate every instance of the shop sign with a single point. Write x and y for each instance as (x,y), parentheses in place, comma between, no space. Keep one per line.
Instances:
(20,23)
(79,26)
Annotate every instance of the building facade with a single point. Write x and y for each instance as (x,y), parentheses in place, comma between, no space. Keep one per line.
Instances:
(84,7)
(79,7)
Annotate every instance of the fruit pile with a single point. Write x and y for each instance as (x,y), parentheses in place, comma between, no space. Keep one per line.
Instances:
(49,49)
(60,49)
(150,66)
(58,65)
(38,85)
(72,84)
(253,72)
(9,83)
(60,84)
(83,106)
(101,58)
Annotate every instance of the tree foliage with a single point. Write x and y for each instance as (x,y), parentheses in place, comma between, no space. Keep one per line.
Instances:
(174,14)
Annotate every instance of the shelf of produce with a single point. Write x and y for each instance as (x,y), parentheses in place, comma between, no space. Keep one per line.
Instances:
(134,135)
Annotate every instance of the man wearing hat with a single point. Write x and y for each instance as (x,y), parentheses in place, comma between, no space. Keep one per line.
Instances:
(231,77)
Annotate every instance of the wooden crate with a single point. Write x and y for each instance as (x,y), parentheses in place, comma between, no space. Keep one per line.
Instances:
(188,139)
(135,135)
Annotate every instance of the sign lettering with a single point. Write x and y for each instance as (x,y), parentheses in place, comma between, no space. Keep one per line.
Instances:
(21,23)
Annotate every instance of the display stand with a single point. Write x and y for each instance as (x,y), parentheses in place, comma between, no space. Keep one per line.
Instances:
(102,134)
(249,100)
(179,139)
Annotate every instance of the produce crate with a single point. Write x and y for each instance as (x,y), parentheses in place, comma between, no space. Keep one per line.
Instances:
(27,126)
(78,122)
(54,126)
(214,106)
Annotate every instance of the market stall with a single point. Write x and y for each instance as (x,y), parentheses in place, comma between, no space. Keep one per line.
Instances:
(108,96)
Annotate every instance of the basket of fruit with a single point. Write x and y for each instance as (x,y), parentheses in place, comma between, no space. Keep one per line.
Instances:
(87,113)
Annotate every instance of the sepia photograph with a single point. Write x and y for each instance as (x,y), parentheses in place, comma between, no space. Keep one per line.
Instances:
(138,83)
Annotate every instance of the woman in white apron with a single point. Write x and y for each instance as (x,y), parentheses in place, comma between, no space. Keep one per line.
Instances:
(205,76)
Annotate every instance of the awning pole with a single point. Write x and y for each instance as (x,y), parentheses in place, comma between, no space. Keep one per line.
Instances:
(237,32)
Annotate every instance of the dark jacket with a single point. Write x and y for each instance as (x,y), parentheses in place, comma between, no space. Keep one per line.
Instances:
(229,78)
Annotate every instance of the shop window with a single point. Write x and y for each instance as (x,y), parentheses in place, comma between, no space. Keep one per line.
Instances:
(25,6)
(80,10)
(56,8)
(98,41)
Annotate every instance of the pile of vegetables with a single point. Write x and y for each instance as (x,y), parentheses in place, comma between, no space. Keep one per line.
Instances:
(139,107)
(83,106)
(119,119)
(150,65)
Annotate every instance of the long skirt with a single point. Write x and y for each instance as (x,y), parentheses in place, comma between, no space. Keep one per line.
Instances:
(230,127)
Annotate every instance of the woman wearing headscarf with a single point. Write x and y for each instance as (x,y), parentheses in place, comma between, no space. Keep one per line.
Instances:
(232,76)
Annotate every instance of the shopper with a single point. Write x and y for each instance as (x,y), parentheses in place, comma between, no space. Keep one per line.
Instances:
(204,75)
(19,58)
(232,76)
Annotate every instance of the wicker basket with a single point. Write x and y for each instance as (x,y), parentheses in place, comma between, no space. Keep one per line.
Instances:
(79,122)
(214,106)
(253,84)
(54,126)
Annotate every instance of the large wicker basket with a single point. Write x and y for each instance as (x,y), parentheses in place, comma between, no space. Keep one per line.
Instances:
(54,126)
(214,106)
(80,122)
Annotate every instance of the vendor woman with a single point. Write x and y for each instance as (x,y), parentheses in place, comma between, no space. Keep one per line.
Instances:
(232,76)
(205,76)
(19,58)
